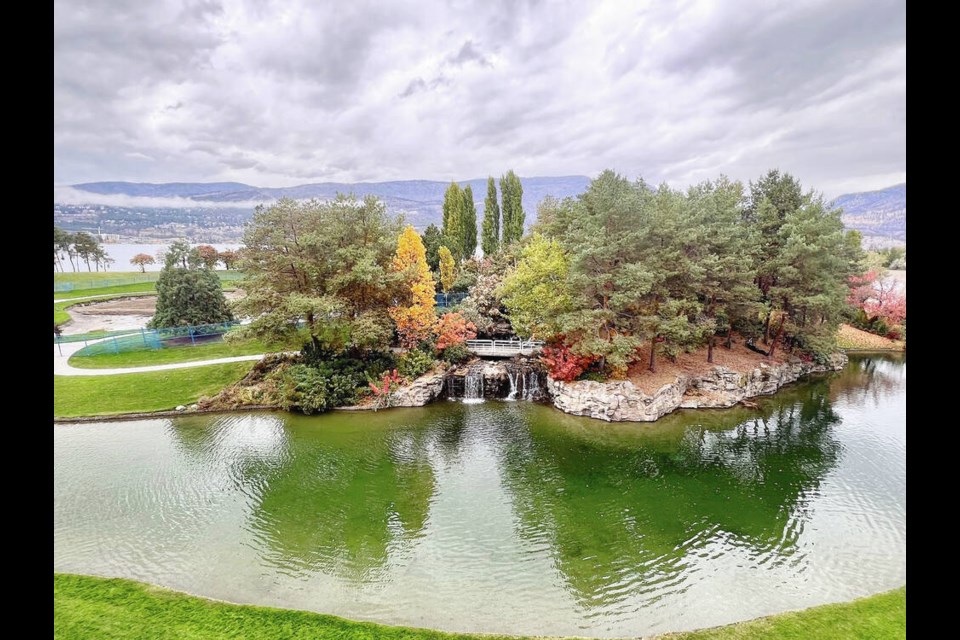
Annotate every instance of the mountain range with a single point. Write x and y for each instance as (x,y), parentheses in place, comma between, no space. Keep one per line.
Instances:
(209,217)
(881,216)
(420,201)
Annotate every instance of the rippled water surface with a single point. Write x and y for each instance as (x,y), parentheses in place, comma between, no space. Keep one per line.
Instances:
(505,517)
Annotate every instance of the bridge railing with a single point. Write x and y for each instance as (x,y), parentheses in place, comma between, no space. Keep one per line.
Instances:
(503,346)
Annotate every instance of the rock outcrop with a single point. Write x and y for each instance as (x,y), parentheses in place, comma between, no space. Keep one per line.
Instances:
(420,392)
(720,387)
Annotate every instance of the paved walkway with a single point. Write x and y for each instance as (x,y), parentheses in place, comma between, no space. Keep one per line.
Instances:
(61,366)
(107,295)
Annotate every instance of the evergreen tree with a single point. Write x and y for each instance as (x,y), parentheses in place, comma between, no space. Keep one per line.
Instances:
(723,248)
(452,232)
(188,293)
(468,224)
(490,237)
(511,195)
(432,240)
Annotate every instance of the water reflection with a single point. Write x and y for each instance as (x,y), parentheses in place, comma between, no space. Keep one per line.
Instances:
(625,508)
(504,517)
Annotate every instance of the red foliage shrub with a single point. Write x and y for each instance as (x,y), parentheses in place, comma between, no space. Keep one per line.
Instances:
(563,364)
(453,328)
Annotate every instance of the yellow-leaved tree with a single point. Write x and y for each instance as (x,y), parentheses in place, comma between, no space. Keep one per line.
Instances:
(414,313)
(448,269)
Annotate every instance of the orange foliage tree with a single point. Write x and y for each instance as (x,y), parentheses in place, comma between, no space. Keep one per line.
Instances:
(414,312)
(452,329)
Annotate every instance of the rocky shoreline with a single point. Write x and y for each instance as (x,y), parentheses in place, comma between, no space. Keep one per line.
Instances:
(622,401)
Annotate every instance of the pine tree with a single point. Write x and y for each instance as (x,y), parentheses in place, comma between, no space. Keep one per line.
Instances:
(188,293)
(490,238)
(468,224)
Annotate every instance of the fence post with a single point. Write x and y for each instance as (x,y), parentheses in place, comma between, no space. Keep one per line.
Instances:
(192,341)
(144,336)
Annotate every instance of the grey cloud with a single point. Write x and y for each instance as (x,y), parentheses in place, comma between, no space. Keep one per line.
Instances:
(276,93)
(468,53)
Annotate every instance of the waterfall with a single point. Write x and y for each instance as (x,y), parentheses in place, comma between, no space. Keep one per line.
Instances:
(473,387)
(451,389)
(514,377)
(531,389)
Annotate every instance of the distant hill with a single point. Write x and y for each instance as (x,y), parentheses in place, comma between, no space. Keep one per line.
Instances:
(881,216)
(421,202)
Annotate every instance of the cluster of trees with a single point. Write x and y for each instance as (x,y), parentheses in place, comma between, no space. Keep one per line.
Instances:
(349,280)
(612,278)
(76,248)
(626,271)
(892,258)
(206,254)
(188,291)
(503,222)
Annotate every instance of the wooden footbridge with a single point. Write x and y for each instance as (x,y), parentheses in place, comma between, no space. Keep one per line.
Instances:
(503,348)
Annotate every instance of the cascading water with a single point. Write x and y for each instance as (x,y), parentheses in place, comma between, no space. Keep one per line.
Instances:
(514,378)
(531,389)
(473,387)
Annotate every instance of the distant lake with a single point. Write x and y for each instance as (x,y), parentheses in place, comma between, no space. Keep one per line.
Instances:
(121,254)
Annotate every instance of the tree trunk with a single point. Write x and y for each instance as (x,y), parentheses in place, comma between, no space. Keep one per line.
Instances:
(710,350)
(779,335)
(653,354)
(766,328)
(729,344)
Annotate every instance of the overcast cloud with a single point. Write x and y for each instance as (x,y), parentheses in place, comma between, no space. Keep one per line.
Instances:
(288,92)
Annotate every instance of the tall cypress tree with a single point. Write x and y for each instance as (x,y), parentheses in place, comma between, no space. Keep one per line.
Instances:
(511,193)
(506,206)
(452,231)
(490,237)
(468,223)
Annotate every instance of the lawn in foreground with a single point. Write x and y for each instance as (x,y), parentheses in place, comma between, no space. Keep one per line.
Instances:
(75,396)
(169,355)
(90,607)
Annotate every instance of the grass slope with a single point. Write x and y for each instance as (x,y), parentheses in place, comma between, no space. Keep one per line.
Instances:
(83,279)
(75,396)
(90,607)
(169,355)
(856,339)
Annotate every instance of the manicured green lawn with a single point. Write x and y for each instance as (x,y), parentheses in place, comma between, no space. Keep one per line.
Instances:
(136,287)
(75,396)
(89,607)
(879,617)
(167,355)
(84,279)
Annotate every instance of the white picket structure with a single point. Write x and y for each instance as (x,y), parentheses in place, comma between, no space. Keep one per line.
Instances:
(504,348)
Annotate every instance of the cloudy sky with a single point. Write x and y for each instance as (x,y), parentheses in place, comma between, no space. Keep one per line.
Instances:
(289,92)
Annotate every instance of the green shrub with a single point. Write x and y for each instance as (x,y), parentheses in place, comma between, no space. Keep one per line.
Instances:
(310,390)
(456,353)
(414,363)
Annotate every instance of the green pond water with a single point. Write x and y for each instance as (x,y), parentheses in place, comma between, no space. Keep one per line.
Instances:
(505,516)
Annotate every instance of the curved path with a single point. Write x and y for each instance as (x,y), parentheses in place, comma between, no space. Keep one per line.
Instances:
(63,351)
(61,366)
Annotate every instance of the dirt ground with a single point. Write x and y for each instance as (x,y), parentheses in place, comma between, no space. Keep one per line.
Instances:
(739,358)
(116,315)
